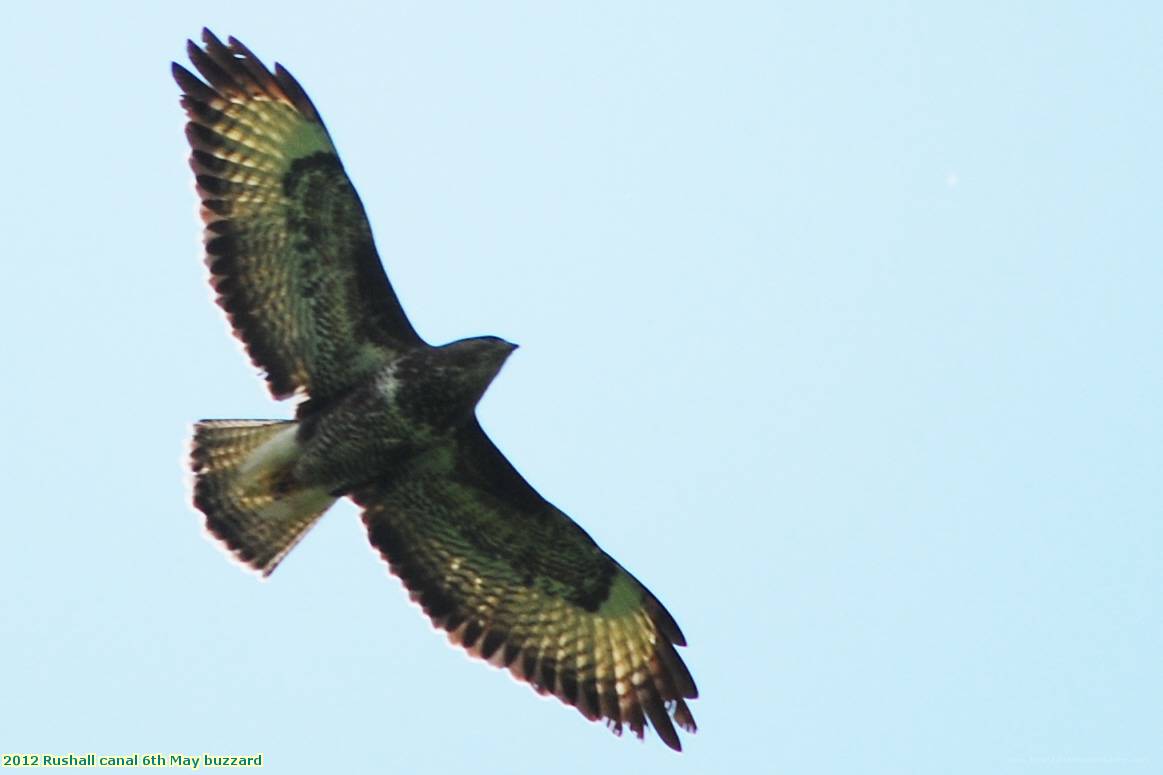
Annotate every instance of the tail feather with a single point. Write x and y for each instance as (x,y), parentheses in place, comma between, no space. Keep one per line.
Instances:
(243,483)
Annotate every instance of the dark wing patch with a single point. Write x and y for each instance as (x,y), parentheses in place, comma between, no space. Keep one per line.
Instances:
(516,582)
(288,244)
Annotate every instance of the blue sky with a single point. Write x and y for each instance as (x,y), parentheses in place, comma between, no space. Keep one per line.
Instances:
(840,329)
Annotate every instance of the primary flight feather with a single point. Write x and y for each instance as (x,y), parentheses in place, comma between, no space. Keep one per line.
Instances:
(390,421)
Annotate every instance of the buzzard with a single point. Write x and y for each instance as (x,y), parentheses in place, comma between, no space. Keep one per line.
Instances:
(390,421)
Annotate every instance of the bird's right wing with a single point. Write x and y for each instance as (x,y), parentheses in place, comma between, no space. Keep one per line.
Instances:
(513,580)
(288,244)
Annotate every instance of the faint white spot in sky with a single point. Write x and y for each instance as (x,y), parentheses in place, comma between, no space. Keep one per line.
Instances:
(951,180)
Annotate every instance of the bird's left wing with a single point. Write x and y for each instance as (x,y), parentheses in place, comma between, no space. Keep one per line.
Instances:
(516,582)
(288,244)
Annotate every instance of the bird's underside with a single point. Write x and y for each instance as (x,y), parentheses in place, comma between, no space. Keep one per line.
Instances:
(389,421)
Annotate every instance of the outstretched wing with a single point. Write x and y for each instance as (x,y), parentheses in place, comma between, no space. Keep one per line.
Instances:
(515,581)
(288,244)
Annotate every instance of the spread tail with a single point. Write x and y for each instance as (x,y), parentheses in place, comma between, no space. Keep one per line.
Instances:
(244,484)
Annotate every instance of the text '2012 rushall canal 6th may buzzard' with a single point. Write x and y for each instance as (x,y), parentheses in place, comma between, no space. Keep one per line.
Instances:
(142,760)
(390,421)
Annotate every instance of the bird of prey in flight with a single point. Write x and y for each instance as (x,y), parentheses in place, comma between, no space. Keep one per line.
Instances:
(390,421)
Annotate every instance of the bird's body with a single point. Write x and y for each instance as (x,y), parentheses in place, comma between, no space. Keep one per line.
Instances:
(411,405)
(389,421)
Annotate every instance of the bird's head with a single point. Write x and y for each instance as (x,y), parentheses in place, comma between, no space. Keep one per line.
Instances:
(454,376)
(478,359)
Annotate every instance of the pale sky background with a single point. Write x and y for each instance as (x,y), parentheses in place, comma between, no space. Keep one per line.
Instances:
(840,328)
